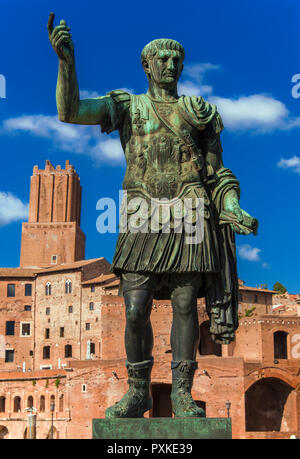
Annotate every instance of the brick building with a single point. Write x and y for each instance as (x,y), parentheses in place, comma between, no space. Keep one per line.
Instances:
(62,334)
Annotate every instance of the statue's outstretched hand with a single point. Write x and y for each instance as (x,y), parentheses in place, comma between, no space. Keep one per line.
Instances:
(240,221)
(60,39)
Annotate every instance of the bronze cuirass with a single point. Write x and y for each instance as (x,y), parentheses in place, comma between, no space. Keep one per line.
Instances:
(161,161)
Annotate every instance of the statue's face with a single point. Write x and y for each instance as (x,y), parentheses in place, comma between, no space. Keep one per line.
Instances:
(165,67)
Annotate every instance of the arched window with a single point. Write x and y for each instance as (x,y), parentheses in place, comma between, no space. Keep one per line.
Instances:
(68,350)
(42,404)
(17,404)
(61,402)
(2,404)
(280,345)
(48,289)
(68,286)
(30,401)
(52,403)
(46,352)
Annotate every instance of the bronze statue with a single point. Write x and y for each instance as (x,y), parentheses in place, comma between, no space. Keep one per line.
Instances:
(173,151)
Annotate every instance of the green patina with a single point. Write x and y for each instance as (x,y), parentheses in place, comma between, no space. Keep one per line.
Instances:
(162,428)
(173,151)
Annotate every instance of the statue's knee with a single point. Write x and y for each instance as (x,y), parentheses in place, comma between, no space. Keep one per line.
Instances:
(137,309)
(184,304)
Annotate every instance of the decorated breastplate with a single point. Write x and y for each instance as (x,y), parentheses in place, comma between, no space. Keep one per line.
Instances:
(159,162)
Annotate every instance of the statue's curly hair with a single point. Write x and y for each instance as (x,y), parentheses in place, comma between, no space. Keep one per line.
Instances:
(151,49)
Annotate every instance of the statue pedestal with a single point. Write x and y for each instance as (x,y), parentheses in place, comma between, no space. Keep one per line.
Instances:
(162,428)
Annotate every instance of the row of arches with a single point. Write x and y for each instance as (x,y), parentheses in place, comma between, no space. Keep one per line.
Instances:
(29,403)
(269,403)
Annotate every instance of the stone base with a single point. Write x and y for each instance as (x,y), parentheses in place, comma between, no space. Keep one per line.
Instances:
(162,428)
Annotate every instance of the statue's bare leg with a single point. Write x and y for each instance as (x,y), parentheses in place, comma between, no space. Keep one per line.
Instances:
(139,344)
(184,342)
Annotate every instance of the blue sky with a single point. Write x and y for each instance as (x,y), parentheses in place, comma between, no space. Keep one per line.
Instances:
(240,55)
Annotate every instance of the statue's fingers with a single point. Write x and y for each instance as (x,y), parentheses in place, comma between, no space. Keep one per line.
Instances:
(246,213)
(58,29)
(60,35)
(50,23)
(61,40)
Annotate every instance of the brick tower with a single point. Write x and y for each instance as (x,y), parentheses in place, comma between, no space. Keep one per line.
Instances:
(53,234)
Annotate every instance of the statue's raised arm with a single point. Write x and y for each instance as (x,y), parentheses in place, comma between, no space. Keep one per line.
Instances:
(69,106)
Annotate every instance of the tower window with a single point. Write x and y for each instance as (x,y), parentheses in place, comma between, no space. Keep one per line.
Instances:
(91,306)
(11,289)
(53,259)
(47,311)
(68,286)
(48,289)
(70,309)
(10,328)
(9,355)
(47,333)
(88,326)
(62,332)
(28,289)
(92,288)
(27,307)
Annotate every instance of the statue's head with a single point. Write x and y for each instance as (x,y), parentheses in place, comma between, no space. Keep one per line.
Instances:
(162,60)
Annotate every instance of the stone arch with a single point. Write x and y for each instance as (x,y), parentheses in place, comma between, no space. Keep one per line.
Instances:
(271,372)
(206,344)
(3,432)
(17,404)
(268,403)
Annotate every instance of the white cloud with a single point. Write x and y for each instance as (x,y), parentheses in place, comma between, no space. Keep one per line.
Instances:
(193,85)
(249,253)
(109,149)
(11,208)
(68,137)
(87,94)
(266,265)
(292,163)
(258,112)
(189,88)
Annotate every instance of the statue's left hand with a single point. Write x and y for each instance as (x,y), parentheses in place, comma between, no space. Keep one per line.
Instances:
(231,204)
